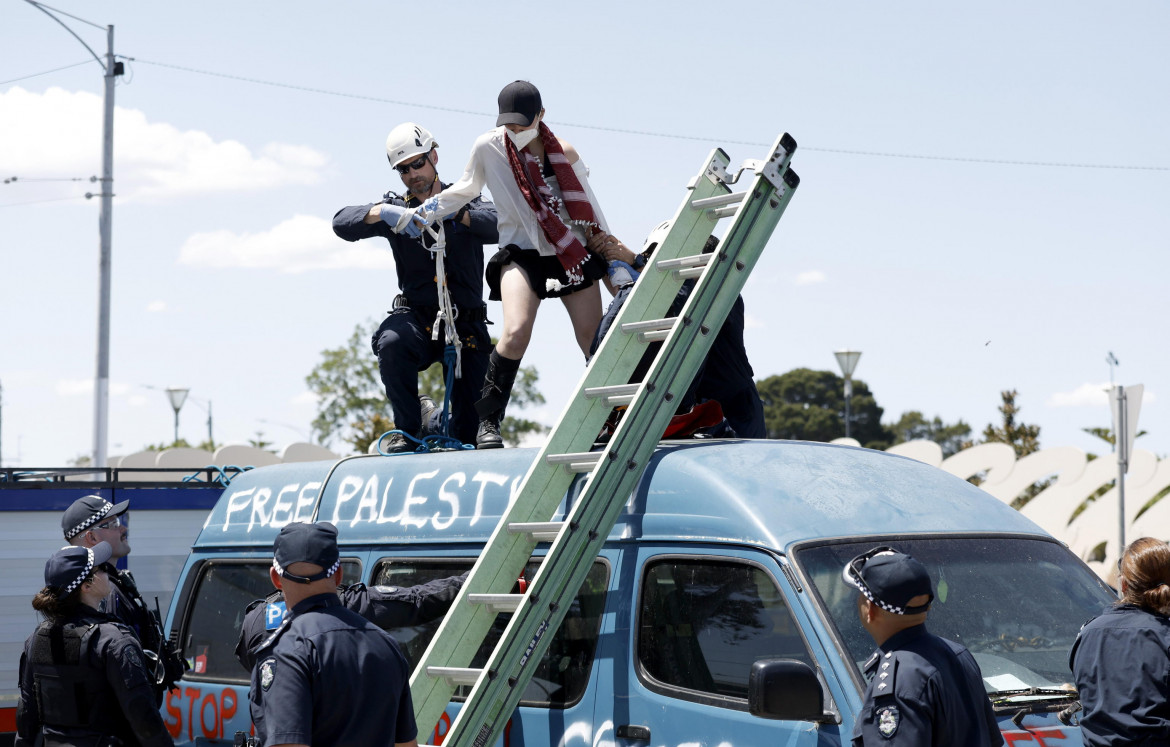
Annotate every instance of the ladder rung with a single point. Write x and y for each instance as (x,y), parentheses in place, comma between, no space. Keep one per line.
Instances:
(541,531)
(723,212)
(455,676)
(582,461)
(497,602)
(652,330)
(690,272)
(718,200)
(695,260)
(622,394)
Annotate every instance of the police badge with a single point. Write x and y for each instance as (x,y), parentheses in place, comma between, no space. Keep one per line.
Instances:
(267,673)
(887,719)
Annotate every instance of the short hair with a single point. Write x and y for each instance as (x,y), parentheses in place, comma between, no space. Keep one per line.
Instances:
(1145,565)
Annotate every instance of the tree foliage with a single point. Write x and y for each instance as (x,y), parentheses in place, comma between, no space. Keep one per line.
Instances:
(809,405)
(352,406)
(1023,438)
(913,426)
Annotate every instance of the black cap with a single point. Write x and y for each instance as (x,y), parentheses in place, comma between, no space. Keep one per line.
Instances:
(87,511)
(519,103)
(890,579)
(69,566)
(306,543)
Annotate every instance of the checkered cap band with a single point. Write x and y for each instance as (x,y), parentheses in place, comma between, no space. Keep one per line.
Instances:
(93,519)
(84,573)
(332,569)
(853,578)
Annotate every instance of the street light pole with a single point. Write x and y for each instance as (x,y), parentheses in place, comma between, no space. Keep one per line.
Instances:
(178,397)
(101,392)
(847,360)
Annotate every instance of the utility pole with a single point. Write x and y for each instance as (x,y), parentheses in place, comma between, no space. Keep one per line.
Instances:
(101,392)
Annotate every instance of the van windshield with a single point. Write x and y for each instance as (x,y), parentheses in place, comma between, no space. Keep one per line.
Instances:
(1015,603)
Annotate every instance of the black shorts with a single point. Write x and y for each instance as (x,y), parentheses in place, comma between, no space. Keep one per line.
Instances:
(540,270)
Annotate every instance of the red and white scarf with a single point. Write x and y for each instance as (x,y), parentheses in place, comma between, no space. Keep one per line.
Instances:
(540,197)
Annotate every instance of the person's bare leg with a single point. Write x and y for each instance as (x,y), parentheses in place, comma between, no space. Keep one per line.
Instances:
(520,306)
(584,309)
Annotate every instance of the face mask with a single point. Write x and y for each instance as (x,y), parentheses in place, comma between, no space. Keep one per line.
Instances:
(524,137)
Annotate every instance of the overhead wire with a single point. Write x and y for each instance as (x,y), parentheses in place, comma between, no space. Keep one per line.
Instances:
(650,133)
(46,72)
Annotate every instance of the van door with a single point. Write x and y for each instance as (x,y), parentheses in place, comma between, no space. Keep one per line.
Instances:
(687,624)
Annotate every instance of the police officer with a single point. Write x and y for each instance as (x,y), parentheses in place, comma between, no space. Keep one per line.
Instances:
(923,689)
(385,606)
(82,676)
(91,520)
(1121,659)
(405,342)
(327,675)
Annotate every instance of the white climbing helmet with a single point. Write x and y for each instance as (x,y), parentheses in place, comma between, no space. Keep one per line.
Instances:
(657,236)
(408,141)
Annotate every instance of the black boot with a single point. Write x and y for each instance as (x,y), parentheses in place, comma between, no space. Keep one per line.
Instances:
(497,388)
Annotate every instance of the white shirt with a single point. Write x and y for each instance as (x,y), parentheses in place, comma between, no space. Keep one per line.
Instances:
(488,165)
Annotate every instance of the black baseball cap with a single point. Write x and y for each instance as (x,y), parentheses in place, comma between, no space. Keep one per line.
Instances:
(890,579)
(87,511)
(306,543)
(69,566)
(519,103)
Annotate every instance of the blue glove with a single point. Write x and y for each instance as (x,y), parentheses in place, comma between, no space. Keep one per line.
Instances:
(391,214)
(430,207)
(404,220)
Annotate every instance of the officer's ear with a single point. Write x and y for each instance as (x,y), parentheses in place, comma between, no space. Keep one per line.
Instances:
(337,576)
(276,579)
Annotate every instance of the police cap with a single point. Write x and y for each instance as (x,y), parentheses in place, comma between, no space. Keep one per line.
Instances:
(67,568)
(306,543)
(87,511)
(890,579)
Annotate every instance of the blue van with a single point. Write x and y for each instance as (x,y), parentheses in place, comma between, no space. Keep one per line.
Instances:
(727,553)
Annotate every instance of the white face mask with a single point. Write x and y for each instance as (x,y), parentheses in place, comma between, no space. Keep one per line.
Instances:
(524,137)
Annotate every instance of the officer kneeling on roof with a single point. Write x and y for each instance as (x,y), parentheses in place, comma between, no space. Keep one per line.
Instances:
(923,689)
(327,675)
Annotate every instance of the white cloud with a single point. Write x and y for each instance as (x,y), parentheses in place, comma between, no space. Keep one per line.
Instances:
(57,134)
(1086,395)
(753,322)
(304,398)
(155,307)
(812,277)
(299,244)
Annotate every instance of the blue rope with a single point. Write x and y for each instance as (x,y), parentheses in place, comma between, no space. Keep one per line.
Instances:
(425,445)
(449,359)
(221,473)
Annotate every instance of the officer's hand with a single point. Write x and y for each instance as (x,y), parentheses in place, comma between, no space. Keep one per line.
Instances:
(410,222)
(431,207)
(390,214)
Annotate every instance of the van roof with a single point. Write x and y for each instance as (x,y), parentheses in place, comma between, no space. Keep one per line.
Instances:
(768,493)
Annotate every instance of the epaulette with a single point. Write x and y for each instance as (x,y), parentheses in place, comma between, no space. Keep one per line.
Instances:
(887,672)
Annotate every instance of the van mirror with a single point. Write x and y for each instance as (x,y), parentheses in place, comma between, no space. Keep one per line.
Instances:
(785,689)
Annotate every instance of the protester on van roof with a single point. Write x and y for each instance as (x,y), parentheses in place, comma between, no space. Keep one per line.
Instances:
(83,680)
(923,689)
(1121,659)
(547,213)
(91,520)
(326,663)
(406,343)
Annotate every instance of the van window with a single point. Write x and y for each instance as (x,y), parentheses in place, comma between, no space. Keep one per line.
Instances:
(562,675)
(1016,603)
(223,591)
(703,622)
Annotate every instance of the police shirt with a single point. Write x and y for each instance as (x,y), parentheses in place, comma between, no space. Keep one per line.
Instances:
(385,606)
(1121,663)
(117,685)
(924,690)
(332,677)
(415,265)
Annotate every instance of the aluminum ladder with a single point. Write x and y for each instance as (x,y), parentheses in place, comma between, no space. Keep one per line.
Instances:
(614,470)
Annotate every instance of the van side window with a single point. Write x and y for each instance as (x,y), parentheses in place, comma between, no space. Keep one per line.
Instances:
(703,622)
(222,593)
(562,675)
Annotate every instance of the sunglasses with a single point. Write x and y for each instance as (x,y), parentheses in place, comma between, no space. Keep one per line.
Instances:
(114,522)
(406,168)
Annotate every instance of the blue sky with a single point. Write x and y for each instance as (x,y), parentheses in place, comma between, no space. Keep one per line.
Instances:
(955,267)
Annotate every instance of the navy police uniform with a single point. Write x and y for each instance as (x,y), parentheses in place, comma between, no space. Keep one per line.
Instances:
(403,342)
(385,606)
(1121,663)
(329,676)
(924,690)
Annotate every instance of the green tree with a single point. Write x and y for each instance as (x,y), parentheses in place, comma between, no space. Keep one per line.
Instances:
(913,426)
(810,405)
(352,406)
(1023,438)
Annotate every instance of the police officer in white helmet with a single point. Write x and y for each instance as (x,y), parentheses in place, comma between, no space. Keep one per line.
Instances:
(404,343)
